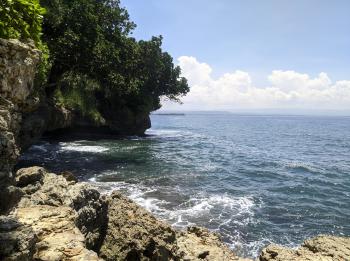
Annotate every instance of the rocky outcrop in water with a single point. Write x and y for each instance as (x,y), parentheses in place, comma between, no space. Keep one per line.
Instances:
(320,248)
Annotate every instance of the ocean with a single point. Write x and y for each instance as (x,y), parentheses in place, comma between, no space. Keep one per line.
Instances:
(255,179)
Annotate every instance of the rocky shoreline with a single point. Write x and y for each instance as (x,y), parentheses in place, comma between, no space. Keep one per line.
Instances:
(45,216)
(58,218)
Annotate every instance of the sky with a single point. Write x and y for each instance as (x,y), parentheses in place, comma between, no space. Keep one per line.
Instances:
(254,54)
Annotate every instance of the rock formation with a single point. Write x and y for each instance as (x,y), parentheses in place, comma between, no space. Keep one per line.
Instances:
(18,63)
(24,117)
(320,248)
(60,219)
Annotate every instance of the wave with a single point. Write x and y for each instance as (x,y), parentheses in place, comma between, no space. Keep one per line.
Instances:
(170,133)
(164,132)
(301,166)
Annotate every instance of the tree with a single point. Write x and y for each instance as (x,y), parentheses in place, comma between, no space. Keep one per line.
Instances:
(21,19)
(96,62)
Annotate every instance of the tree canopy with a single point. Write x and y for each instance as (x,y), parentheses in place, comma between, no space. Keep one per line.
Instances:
(96,66)
(21,19)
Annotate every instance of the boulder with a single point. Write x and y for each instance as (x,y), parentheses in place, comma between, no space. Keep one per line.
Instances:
(134,234)
(199,244)
(25,177)
(320,248)
(55,219)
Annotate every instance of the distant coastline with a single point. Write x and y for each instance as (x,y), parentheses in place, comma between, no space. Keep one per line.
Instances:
(169,114)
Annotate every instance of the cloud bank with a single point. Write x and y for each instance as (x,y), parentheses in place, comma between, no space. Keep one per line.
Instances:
(236,90)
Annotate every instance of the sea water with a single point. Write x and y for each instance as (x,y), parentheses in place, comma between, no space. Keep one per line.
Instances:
(253,179)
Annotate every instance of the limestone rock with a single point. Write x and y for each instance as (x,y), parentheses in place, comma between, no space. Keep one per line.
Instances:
(54,220)
(92,213)
(17,241)
(58,237)
(18,63)
(200,244)
(320,248)
(135,234)
(28,176)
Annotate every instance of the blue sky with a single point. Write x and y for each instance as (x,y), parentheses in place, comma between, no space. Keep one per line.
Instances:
(253,36)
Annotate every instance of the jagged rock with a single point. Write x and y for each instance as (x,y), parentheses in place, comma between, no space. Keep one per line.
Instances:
(135,234)
(320,248)
(17,241)
(59,220)
(18,63)
(58,237)
(28,176)
(199,244)
(69,176)
(92,215)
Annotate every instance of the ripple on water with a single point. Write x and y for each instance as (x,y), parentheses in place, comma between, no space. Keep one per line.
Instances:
(254,179)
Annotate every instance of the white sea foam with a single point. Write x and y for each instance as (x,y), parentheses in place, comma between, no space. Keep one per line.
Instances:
(301,165)
(76,146)
(164,132)
(221,212)
(42,148)
(169,133)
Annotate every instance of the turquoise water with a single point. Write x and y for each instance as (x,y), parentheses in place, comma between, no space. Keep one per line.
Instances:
(254,179)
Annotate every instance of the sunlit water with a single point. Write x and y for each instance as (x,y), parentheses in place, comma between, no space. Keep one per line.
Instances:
(254,179)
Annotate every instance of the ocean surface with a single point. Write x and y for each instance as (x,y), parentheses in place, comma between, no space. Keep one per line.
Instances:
(254,179)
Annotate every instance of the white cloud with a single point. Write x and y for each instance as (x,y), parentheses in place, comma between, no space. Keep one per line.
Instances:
(236,90)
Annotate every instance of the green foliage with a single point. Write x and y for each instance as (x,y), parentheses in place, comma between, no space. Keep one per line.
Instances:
(21,19)
(77,92)
(95,67)
(92,38)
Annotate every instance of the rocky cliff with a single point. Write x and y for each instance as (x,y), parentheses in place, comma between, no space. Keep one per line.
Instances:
(18,63)
(24,117)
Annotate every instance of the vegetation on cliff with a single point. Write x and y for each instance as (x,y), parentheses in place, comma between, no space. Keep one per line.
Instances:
(95,67)
(22,19)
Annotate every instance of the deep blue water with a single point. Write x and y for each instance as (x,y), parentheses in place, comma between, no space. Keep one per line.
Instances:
(254,179)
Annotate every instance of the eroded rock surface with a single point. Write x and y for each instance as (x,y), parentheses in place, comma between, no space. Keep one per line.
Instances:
(56,219)
(320,248)
(134,234)
(18,63)
(60,219)
(199,244)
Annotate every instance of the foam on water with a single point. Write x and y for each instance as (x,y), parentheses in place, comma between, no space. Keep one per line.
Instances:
(301,166)
(77,146)
(203,209)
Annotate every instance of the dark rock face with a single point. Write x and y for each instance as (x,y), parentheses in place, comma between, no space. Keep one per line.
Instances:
(17,241)
(127,122)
